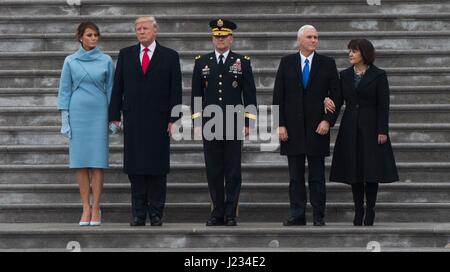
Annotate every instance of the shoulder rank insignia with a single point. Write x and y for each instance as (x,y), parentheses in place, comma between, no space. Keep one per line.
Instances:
(247,57)
(197,57)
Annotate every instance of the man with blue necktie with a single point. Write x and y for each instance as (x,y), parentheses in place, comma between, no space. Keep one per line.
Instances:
(303,81)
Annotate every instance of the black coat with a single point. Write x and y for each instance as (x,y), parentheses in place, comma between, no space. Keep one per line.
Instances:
(233,86)
(146,102)
(302,110)
(366,115)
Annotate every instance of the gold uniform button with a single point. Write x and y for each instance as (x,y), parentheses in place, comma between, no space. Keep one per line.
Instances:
(220,98)
(220,91)
(220,83)
(220,76)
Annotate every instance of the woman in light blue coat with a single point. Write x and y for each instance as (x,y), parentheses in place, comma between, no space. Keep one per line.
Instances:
(84,94)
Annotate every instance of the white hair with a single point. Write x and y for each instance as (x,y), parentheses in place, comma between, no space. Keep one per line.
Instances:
(302,29)
(150,19)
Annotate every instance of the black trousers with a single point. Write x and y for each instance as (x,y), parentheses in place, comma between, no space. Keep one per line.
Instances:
(361,189)
(223,161)
(297,188)
(148,195)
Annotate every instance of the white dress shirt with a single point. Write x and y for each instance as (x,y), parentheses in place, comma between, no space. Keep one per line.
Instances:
(225,55)
(310,58)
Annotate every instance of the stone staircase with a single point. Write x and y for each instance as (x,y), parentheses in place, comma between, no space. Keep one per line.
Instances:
(39,198)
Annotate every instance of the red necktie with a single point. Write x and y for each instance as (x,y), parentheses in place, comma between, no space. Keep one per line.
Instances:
(145,60)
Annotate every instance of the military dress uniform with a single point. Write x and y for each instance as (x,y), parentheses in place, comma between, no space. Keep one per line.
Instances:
(225,82)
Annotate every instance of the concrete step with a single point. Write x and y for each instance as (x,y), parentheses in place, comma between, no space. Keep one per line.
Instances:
(21,97)
(232,250)
(190,172)
(398,95)
(32,8)
(280,40)
(198,212)
(246,22)
(247,236)
(198,192)
(50,135)
(403,113)
(264,77)
(48,116)
(181,153)
(48,60)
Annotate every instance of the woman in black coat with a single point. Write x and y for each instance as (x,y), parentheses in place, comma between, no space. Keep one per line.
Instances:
(363,154)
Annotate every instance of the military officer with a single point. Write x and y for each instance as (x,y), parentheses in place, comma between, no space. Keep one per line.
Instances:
(223,79)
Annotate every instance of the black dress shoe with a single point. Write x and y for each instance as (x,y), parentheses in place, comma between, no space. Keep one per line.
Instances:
(215,221)
(137,222)
(156,221)
(319,222)
(231,221)
(293,221)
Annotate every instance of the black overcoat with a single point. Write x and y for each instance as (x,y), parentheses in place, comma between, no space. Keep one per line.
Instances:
(146,101)
(357,156)
(301,110)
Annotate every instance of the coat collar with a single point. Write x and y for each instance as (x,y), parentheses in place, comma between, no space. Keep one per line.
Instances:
(371,74)
(90,55)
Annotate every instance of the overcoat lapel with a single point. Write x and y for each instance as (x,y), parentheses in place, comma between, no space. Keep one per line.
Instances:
(156,57)
(347,76)
(297,64)
(136,51)
(368,77)
(314,68)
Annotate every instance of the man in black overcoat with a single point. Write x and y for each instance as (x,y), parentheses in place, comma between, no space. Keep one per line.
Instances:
(147,85)
(303,81)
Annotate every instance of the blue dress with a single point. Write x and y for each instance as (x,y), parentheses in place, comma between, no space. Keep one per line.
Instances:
(85,91)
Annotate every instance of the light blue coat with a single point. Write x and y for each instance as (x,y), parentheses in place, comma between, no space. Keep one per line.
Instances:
(85,91)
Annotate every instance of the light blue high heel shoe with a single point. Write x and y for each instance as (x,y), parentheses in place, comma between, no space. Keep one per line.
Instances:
(97,223)
(84,223)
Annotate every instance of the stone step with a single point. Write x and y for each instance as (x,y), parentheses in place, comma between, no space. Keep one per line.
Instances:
(259,58)
(189,172)
(49,135)
(280,40)
(264,77)
(72,8)
(246,22)
(199,212)
(181,153)
(35,97)
(48,116)
(404,113)
(258,237)
(232,250)
(198,192)
(247,236)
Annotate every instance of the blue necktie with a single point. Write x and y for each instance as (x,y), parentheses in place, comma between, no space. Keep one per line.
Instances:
(306,73)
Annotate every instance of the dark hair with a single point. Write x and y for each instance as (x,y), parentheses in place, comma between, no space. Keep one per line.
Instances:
(82,28)
(365,47)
